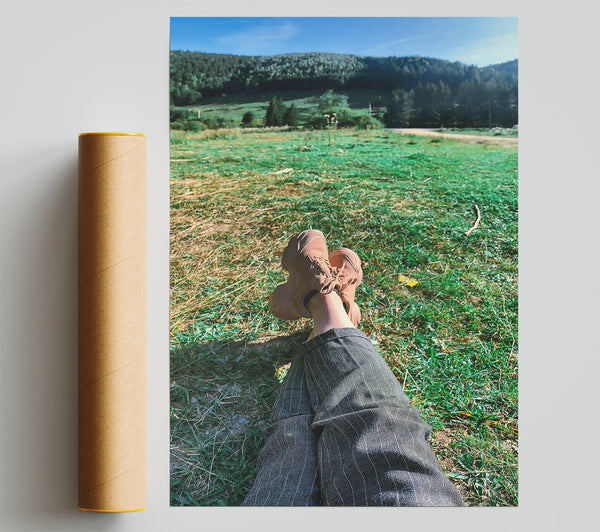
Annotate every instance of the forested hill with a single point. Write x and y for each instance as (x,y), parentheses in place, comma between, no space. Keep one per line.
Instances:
(195,75)
(510,67)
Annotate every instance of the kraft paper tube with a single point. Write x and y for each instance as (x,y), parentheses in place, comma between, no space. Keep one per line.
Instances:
(112,322)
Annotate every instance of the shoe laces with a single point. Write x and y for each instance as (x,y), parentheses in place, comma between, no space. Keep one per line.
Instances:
(338,278)
(322,263)
(332,273)
(339,272)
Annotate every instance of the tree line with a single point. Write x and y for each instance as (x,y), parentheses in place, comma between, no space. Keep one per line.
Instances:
(332,111)
(434,104)
(413,91)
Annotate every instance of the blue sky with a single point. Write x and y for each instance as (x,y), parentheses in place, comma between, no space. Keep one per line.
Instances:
(473,40)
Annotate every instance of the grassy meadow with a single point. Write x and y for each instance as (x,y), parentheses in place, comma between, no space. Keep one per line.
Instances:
(441,306)
(231,108)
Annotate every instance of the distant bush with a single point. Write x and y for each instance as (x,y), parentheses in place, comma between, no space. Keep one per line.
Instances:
(180,114)
(248,118)
(346,118)
(192,125)
(185,119)
(330,102)
(257,122)
(322,120)
(216,122)
(317,121)
(212,134)
(368,122)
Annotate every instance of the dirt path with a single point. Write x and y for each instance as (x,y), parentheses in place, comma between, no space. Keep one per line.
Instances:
(475,139)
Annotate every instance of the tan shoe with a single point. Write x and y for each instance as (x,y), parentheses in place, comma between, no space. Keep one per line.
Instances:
(347,268)
(305,257)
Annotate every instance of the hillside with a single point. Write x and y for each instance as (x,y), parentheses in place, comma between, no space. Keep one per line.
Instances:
(410,91)
(196,74)
(509,67)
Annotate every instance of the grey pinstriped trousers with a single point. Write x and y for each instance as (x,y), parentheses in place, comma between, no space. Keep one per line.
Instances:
(343,433)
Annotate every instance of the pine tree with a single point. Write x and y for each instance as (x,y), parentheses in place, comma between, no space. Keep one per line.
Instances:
(269,117)
(408,108)
(275,112)
(291,117)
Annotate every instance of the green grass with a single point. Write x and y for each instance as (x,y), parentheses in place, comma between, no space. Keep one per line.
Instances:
(233,107)
(305,101)
(403,203)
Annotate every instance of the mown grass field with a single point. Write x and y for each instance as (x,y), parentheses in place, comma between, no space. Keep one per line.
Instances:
(440,306)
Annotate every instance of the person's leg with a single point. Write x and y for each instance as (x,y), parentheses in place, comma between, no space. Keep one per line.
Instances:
(372,445)
(287,464)
(328,313)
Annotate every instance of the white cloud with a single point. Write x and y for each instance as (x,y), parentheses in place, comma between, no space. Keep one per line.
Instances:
(386,45)
(258,37)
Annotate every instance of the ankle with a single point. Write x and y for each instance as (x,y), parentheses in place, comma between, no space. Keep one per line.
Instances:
(328,312)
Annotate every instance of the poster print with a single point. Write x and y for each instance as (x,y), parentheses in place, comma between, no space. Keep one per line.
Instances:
(401,146)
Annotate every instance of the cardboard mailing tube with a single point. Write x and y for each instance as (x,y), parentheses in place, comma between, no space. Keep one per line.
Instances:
(112,322)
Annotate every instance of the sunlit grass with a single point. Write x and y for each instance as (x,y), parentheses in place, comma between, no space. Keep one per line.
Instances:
(403,204)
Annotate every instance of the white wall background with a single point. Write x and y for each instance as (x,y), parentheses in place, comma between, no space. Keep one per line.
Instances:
(68,67)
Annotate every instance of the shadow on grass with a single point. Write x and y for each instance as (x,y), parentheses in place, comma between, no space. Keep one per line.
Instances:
(221,393)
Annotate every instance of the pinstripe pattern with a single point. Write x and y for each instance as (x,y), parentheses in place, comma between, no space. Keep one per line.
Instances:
(342,418)
(287,465)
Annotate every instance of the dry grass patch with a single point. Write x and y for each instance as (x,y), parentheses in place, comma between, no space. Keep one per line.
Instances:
(450,339)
